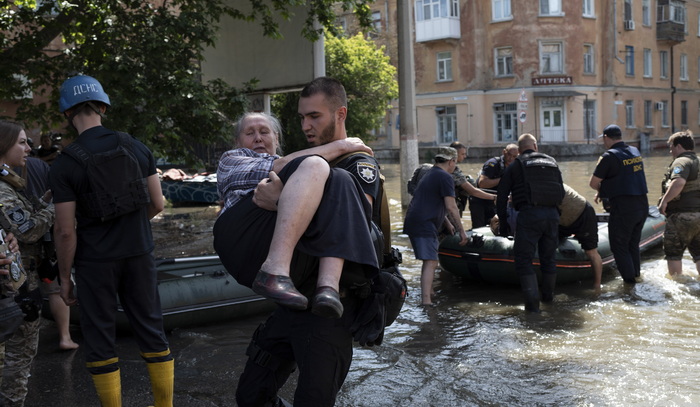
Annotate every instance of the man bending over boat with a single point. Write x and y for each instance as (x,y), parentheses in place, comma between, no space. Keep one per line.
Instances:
(577,217)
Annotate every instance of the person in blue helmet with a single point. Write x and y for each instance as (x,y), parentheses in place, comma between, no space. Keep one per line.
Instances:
(619,177)
(110,249)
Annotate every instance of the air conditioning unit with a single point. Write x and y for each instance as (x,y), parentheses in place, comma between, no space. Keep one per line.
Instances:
(629,25)
(659,105)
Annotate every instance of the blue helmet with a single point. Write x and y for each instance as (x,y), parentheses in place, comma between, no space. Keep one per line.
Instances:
(80,89)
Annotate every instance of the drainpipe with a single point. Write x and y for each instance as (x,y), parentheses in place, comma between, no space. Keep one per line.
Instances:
(615,33)
(673,98)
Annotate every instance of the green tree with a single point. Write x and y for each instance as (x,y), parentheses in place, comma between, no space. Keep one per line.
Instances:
(369,80)
(146,54)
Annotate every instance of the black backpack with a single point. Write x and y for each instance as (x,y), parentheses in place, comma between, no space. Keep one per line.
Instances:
(117,185)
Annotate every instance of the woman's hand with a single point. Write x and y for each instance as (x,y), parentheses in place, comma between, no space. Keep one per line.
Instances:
(268,191)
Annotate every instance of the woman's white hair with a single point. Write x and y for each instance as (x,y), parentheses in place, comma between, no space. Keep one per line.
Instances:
(275,126)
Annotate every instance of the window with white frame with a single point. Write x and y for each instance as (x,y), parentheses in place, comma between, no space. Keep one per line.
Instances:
(504,61)
(629,60)
(664,113)
(505,119)
(663,64)
(673,11)
(629,113)
(588,8)
(550,8)
(446,123)
(647,63)
(432,9)
(444,66)
(377,21)
(646,12)
(501,10)
(588,59)
(684,113)
(684,67)
(589,111)
(551,58)
(627,11)
(648,111)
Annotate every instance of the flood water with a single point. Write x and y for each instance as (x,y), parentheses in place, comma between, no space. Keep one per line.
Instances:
(475,347)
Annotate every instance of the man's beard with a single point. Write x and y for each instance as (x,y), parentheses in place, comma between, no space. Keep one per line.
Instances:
(327,134)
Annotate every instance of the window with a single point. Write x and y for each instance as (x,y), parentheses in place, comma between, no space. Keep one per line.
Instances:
(629,112)
(629,60)
(647,63)
(588,61)
(377,21)
(684,113)
(550,8)
(628,10)
(343,24)
(646,12)
(432,9)
(504,61)
(505,119)
(684,67)
(589,120)
(698,69)
(647,113)
(588,8)
(664,113)
(663,64)
(551,58)
(673,11)
(444,66)
(501,10)
(446,124)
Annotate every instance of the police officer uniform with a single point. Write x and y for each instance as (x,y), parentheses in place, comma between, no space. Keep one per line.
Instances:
(624,186)
(683,212)
(320,347)
(537,188)
(29,225)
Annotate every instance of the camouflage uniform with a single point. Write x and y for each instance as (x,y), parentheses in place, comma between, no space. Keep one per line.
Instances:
(29,226)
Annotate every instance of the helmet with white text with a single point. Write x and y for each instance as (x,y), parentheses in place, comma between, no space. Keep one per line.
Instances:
(80,89)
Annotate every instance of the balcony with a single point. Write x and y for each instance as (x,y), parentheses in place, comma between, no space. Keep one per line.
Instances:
(671,17)
(670,31)
(440,28)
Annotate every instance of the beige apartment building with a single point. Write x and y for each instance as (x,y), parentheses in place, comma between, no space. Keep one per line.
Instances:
(489,70)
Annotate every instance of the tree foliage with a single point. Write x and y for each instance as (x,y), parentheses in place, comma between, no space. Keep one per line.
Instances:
(369,80)
(145,54)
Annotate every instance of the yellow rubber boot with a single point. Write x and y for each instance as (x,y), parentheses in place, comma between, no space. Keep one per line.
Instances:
(109,388)
(162,382)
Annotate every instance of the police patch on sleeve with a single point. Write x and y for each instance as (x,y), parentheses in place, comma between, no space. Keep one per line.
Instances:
(20,218)
(677,170)
(367,172)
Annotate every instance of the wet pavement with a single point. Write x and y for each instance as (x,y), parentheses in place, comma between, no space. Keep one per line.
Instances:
(208,361)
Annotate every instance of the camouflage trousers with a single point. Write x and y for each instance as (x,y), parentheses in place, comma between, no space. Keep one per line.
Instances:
(682,232)
(17,355)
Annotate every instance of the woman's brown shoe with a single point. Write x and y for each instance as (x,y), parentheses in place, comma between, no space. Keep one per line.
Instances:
(280,289)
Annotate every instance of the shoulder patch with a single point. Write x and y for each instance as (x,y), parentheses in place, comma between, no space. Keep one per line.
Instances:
(20,219)
(677,169)
(367,172)
(491,164)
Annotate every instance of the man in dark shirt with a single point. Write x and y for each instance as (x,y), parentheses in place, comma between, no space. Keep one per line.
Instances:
(619,177)
(535,182)
(482,210)
(320,347)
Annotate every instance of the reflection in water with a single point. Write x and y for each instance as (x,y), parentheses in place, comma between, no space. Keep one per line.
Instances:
(624,346)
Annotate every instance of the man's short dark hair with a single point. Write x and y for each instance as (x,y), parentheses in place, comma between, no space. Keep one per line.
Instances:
(684,138)
(458,146)
(331,88)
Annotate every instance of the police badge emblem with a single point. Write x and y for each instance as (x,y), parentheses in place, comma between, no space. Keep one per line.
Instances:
(367,172)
